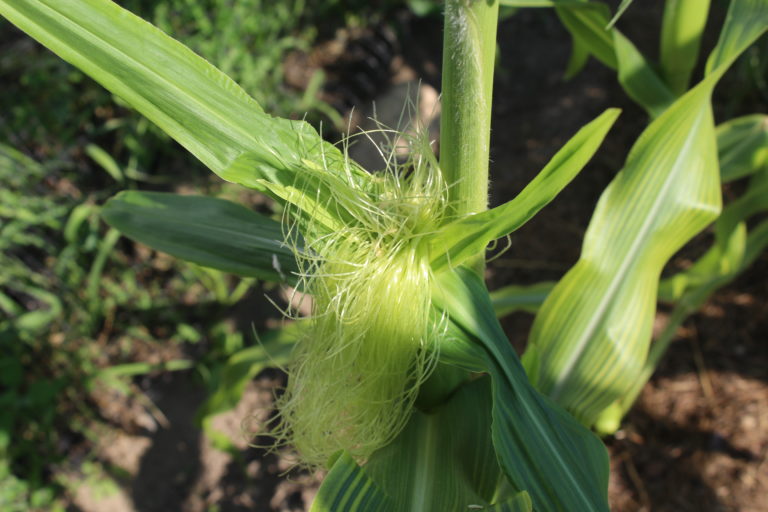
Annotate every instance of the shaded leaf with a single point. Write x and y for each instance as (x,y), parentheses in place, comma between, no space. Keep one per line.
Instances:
(433,468)
(639,80)
(588,23)
(210,232)
(347,488)
(540,447)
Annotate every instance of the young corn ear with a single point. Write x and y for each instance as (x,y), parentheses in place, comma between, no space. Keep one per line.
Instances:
(367,347)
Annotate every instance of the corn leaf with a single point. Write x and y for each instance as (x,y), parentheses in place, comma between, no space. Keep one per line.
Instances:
(188,98)
(347,488)
(638,79)
(588,23)
(733,252)
(210,232)
(468,236)
(536,442)
(433,468)
(681,30)
(623,6)
(592,333)
(745,22)
(593,33)
(742,145)
(513,298)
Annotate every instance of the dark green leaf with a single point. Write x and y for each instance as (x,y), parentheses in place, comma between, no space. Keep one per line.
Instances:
(204,230)
(540,447)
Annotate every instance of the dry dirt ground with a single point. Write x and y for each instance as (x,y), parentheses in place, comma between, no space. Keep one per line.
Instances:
(698,437)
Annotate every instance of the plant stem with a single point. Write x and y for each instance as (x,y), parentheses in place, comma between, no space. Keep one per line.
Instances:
(469,48)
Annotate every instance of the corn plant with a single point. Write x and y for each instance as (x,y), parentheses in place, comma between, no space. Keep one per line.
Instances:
(742,151)
(402,383)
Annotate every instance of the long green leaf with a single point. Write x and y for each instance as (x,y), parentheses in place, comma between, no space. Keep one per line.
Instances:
(469,235)
(733,253)
(188,98)
(588,23)
(593,33)
(204,230)
(591,336)
(540,447)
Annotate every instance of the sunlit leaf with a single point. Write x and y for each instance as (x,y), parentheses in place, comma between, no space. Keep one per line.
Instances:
(469,235)
(591,335)
(681,30)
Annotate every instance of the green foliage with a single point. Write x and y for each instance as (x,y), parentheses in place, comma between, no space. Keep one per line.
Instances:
(589,348)
(393,261)
(64,293)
